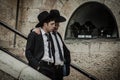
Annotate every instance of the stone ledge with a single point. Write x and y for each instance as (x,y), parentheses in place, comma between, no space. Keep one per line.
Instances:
(17,69)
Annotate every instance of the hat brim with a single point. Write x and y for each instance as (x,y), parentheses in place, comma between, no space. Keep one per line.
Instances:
(38,25)
(60,19)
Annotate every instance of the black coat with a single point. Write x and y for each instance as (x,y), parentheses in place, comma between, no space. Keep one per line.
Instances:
(35,50)
(67,57)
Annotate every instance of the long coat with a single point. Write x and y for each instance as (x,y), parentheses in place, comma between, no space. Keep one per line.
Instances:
(35,50)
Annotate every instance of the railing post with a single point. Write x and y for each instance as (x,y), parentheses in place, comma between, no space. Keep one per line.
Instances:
(16,24)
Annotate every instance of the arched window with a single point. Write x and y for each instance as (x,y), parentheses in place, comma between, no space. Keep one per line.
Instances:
(92,20)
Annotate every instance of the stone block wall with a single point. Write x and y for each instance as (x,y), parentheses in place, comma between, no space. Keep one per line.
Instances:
(8,15)
(99,57)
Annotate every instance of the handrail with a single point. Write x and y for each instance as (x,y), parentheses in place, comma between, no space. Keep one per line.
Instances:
(12,29)
(25,37)
(83,72)
(13,55)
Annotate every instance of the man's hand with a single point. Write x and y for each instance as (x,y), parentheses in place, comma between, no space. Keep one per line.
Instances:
(36,30)
(38,68)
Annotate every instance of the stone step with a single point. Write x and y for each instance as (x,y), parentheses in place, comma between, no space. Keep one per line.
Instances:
(18,52)
(5,76)
(17,69)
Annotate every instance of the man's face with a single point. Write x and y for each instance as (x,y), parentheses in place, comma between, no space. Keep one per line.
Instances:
(56,26)
(50,26)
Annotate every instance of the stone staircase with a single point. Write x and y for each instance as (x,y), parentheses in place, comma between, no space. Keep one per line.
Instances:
(18,52)
(5,76)
(13,69)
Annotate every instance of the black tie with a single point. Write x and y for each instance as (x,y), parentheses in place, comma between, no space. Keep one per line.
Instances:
(48,39)
(60,51)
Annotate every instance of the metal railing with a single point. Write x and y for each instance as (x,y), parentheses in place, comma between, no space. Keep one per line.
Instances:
(25,37)
(83,72)
(12,29)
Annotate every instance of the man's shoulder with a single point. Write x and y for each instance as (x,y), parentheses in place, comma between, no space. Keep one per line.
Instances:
(36,31)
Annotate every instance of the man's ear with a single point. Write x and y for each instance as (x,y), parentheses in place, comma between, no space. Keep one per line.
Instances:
(36,30)
(45,24)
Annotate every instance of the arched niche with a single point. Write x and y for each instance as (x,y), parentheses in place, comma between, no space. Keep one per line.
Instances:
(92,20)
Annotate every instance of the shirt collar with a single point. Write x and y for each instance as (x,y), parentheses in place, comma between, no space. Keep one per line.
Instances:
(42,31)
(53,32)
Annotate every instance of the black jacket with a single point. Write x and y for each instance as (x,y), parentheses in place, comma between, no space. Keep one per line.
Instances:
(35,50)
(66,56)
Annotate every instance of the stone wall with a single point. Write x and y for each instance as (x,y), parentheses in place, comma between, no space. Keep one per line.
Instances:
(99,57)
(8,15)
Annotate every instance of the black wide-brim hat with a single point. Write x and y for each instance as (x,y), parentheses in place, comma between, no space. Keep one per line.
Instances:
(56,14)
(41,17)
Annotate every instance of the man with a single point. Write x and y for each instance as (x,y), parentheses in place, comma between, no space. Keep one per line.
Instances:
(60,51)
(58,43)
(38,48)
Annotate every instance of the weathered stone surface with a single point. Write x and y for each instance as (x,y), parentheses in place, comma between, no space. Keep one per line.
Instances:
(18,52)
(17,69)
(5,44)
(75,75)
(5,76)
(32,15)
(8,15)
(7,62)
(35,75)
(8,11)
(100,58)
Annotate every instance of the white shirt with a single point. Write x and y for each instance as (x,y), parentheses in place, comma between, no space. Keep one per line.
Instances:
(57,55)
(46,50)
